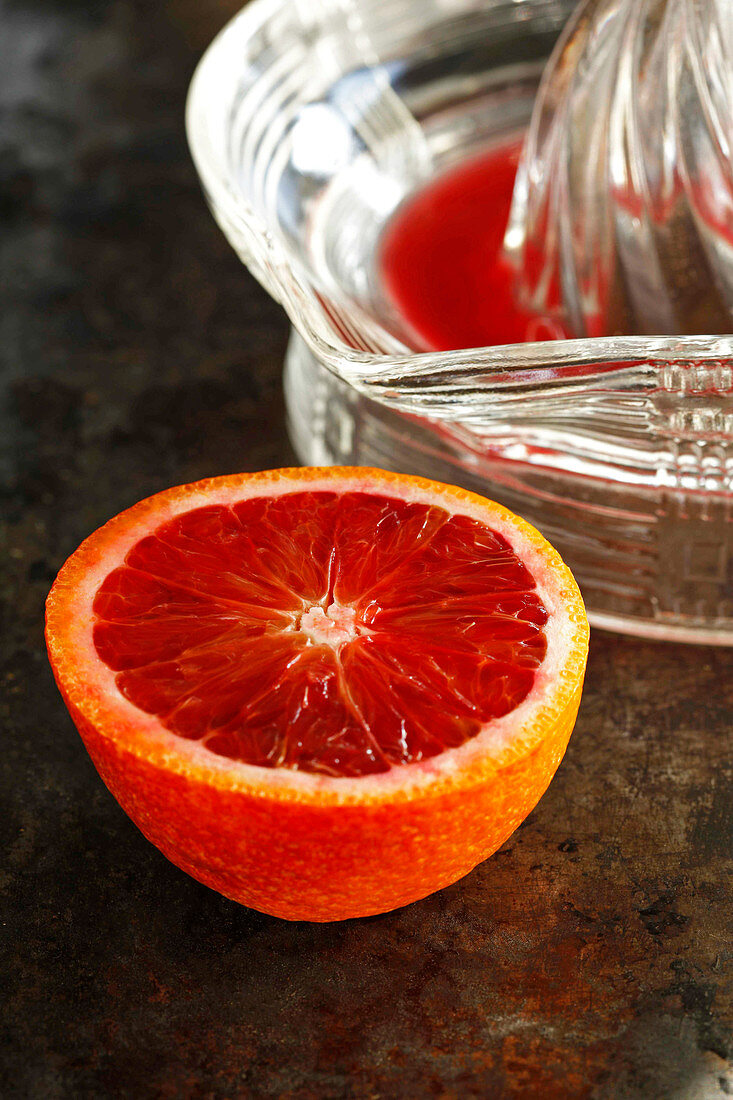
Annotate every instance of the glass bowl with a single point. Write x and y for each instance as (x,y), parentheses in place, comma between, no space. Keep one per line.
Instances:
(310,122)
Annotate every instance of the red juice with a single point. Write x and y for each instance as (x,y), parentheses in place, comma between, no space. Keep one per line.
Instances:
(442,261)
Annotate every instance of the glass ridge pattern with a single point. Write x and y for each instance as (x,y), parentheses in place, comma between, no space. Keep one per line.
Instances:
(623,208)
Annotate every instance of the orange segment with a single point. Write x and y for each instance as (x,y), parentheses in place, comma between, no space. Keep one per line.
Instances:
(311,648)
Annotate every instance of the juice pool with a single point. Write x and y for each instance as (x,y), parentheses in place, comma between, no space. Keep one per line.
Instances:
(442,264)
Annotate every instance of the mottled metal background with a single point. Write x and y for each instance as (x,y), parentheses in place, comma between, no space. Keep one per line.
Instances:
(589,958)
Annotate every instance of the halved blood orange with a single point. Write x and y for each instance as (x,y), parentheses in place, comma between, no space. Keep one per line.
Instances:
(323,692)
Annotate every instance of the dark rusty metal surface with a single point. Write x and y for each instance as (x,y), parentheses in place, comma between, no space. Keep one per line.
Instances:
(589,958)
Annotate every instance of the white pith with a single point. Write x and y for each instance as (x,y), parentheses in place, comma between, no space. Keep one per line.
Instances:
(335,625)
(92,686)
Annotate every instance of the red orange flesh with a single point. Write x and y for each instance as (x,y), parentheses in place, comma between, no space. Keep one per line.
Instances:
(324,693)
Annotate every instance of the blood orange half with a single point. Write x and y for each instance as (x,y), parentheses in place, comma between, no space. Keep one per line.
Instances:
(323,692)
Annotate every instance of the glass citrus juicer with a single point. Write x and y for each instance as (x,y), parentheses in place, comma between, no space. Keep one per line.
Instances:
(314,123)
